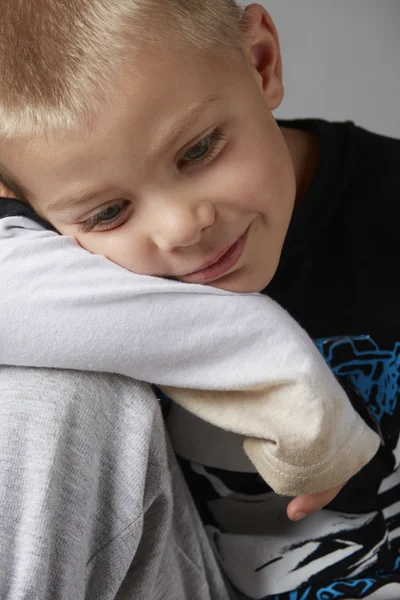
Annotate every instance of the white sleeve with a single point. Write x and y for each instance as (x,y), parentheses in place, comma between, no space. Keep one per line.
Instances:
(63,307)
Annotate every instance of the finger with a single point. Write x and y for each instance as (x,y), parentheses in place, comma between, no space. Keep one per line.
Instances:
(302,506)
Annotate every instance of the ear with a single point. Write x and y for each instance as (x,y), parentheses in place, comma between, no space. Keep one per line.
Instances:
(262,49)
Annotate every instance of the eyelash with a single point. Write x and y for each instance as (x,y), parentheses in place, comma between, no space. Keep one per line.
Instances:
(96,220)
(217,136)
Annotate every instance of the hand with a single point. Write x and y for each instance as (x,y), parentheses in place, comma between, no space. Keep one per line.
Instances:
(306,505)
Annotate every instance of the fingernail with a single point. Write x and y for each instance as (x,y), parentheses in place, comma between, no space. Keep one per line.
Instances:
(298,516)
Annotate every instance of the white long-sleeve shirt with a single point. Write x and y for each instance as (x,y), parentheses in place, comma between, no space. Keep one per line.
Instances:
(238,361)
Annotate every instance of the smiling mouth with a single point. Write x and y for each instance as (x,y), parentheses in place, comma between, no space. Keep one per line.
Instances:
(219,265)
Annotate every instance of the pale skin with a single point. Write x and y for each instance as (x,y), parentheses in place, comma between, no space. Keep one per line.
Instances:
(166,210)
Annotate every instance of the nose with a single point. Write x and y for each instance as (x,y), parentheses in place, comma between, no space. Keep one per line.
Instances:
(180,223)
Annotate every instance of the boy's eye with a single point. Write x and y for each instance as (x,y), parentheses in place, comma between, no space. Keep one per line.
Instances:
(204,149)
(111,213)
(199,150)
(106,219)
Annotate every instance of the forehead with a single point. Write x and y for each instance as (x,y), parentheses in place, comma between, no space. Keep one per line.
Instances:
(146,107)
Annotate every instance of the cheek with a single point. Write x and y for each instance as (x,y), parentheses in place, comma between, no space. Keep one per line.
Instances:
(259,166)
(263,182)
(115,247)
(273,178)
(125,247)
(237,181)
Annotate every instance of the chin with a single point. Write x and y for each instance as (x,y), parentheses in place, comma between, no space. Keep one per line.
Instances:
(243,282)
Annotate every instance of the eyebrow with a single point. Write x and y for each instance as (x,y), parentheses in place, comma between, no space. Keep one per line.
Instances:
(79,197)
(193,114)
(171,135)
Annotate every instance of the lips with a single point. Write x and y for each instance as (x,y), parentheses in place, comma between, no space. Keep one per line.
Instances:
(214,260)
(222,262)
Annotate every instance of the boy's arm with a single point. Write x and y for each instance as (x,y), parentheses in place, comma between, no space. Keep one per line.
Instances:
(63,307)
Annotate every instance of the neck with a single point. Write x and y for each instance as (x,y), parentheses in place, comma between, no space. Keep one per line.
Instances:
(304,150)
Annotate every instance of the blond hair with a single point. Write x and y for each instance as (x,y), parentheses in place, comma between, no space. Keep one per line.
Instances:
(58,58)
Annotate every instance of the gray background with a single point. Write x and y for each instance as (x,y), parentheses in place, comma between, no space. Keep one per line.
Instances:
(341,60)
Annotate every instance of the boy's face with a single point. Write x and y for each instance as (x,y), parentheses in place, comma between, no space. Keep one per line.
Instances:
(185,175)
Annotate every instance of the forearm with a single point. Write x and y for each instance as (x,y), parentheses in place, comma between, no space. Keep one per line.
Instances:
(63,307)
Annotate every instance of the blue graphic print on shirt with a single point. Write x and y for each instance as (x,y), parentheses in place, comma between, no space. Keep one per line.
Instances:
(373,372)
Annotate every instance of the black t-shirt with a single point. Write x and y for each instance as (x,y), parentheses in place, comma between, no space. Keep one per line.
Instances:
(338,278)
(338,272)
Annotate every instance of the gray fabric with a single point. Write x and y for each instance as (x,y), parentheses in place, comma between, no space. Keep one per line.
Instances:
(92,502)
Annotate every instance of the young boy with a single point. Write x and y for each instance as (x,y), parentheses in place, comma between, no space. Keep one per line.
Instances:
(295,448)
(252,175)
